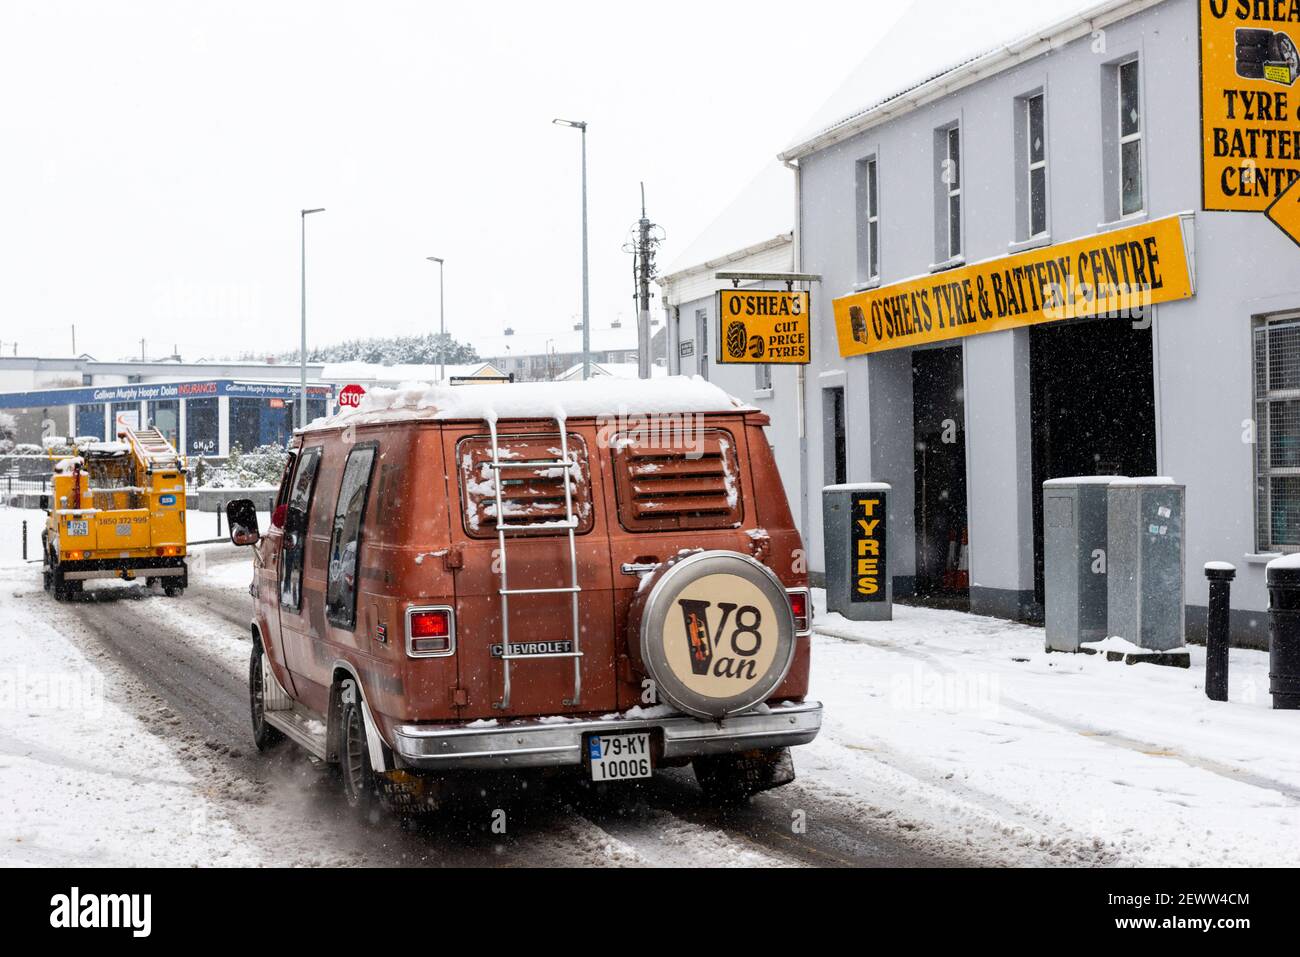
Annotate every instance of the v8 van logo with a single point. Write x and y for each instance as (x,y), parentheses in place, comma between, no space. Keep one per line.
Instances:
(745,641)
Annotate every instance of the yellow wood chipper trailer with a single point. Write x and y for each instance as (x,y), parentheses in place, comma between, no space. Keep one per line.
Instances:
(117,511)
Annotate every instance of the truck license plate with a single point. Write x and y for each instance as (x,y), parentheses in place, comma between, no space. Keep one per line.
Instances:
(78,529)
(619,757)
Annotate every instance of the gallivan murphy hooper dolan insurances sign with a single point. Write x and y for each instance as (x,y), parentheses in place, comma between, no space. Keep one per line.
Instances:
(1116,273)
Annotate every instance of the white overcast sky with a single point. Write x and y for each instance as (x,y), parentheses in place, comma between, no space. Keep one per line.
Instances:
(154,157)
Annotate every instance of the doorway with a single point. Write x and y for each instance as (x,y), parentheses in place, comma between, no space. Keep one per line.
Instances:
(1092,406)
(835,459)
(939,434)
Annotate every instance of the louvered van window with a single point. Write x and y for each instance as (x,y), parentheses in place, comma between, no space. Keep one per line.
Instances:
(531,494)
(662,486)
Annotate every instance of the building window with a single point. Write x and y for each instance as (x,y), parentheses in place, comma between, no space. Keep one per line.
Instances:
(201,426)
(1131,198)
(702,341)
(868,220)
(165,416)
(1036,163)
(124,414)
(90,421)
(948,220)
(763,377)
(1277,434)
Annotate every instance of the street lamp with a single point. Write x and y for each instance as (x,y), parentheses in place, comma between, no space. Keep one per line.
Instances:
(442,325)
(302,392)
(586,316)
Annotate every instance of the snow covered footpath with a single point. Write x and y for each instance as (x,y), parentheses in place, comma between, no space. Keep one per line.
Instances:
(986,741)
(82,782)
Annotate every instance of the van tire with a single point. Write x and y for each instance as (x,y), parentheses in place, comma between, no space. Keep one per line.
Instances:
(265,737)
(731,779)
(173,591)
(360,789)
(61,587)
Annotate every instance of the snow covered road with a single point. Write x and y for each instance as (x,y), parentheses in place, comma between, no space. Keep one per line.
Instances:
(948,739)
(173,673)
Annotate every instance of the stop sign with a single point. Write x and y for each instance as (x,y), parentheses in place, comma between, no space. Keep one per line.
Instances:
(350,396)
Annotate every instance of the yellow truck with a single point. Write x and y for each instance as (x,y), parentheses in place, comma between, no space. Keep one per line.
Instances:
(117,511)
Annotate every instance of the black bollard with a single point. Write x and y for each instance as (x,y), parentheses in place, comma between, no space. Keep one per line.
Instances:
(1284,634)
(24,540)
(1220,575)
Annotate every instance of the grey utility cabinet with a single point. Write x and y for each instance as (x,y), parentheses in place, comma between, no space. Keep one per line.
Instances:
(1074,559)
(1145,558)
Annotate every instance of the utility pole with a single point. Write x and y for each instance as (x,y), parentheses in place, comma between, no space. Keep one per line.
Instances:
(74,340)
(586,293)
(648,238)
(442,324)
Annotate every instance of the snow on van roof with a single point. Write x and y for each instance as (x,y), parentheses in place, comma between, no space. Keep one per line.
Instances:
(537,400)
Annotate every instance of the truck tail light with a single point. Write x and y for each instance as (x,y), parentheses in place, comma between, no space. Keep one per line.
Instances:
(430,632)
(168,551)
(801,606)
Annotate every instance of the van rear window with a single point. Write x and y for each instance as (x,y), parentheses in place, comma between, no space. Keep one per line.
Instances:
(532,488)
(662,485)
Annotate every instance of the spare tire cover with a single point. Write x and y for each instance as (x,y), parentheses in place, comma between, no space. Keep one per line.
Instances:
(716,633)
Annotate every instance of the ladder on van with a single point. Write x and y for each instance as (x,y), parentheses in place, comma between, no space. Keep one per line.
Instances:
(573,590)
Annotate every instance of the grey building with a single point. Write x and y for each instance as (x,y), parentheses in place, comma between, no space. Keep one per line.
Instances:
(1085,126)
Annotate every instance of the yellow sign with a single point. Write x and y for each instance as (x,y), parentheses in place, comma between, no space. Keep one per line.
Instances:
(1285,212)
(1117,274)
(759,325)
(1250,103)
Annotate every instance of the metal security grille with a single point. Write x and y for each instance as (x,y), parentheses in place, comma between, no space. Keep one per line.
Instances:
(1277,439)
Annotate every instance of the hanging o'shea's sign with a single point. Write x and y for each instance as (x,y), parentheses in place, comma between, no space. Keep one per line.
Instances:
(1250,102)
(350,396)
(1117,274)
(763,326)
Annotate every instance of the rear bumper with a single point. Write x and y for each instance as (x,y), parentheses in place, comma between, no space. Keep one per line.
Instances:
(536,744)
(85,569)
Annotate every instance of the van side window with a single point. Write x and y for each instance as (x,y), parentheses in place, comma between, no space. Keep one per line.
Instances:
(295,528)
(282,495)
(345,538)
(671,480)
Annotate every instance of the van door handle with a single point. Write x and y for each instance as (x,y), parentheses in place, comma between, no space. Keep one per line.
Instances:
(638,568)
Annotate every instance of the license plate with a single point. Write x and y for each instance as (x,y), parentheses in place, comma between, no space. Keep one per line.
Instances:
(619,757)
(78,528)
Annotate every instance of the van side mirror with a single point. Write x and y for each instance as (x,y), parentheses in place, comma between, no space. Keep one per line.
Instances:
(44,503)
(241,516)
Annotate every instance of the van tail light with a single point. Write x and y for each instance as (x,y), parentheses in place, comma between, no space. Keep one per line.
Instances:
(430,632)
(801,606)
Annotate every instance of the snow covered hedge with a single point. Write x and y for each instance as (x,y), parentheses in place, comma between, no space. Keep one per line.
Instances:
(264,465)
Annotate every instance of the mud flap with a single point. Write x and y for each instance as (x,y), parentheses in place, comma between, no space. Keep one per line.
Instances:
(374,741)
(735,776)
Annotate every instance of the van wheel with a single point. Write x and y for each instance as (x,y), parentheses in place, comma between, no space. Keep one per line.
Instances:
(264,736)
(359,786)
(172,591)
(731,779)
